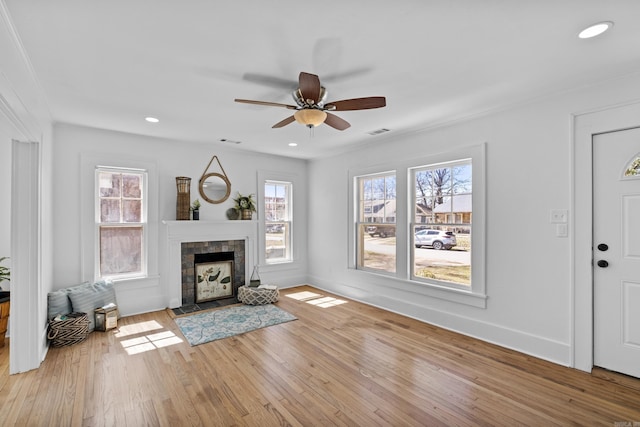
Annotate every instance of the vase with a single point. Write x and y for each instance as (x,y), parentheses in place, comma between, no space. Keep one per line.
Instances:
(183,184)
(247,214)
(196,215)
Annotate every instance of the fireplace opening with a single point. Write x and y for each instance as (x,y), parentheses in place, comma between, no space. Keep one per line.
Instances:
(213,275)
(210,248)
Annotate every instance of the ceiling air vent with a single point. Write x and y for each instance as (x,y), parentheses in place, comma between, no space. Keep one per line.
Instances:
(229,141)
(378,132)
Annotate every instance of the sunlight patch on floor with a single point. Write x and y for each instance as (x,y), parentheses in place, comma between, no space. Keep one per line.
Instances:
(304,295)
(137,328)
(146,342)
(316,299)
(326,302)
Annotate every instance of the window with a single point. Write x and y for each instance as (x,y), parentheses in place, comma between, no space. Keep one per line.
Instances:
(278,221)
(376,223)
(634,168)
(121,222)
(423,224)
(441,226)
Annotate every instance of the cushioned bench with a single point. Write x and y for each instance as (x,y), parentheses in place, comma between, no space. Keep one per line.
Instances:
(83,298)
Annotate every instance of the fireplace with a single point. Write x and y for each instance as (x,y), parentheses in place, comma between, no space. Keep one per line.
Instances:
(225,259)
(185,239)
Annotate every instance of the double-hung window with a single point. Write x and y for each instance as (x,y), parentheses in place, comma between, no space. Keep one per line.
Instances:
(278,221)
(376,225)
(121,222)
(441,226)
(424,224)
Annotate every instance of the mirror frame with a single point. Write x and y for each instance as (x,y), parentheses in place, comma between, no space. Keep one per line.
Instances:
(203,179)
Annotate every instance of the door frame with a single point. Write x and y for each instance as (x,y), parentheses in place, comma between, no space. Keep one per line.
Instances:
(585,125)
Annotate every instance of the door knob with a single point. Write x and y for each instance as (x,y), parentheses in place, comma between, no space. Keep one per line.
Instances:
(603,247)
(602,263)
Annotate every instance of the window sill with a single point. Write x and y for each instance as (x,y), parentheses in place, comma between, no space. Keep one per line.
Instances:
(140,282)
(459,296)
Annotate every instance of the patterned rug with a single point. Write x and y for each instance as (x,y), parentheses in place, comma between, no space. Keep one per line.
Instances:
(227,322)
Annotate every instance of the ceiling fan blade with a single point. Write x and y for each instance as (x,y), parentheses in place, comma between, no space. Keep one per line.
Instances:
(357,104)
(271,81)
(269,104)
(336,122)
(309,86)
(284,122)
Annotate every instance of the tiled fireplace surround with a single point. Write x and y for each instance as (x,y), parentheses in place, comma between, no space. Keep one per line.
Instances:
(186,238)
(190,249)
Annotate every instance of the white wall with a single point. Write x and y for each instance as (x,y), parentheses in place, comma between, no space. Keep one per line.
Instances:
(171,159)
(528,268)
(5,194)
(24,116)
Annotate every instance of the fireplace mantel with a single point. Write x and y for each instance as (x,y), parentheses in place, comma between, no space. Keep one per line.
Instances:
(178,232)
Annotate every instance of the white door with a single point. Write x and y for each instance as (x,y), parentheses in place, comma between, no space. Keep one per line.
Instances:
(616,250)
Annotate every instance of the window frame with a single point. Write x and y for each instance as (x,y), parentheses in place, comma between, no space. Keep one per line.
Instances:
(89,242)
(298,215)
(143,224)
(360,213)
(412,224)
(474,295)
(288,235)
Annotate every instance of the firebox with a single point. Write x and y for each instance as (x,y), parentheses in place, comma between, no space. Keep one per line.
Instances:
(215,260)
(213,276)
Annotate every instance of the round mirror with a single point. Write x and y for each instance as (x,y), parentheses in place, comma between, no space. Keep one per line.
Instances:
(215,188)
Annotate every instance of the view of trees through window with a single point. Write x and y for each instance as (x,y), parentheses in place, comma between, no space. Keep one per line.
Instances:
(120,223)
(440,203)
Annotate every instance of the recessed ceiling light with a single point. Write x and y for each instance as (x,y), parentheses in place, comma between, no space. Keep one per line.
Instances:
(151,119)
(595,29)
(293,144)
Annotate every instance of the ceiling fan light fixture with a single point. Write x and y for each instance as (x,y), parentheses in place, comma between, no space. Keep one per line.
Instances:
(310,117)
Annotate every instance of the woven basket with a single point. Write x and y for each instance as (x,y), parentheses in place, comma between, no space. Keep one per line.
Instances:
(72,330)
(183,202)
(256,296)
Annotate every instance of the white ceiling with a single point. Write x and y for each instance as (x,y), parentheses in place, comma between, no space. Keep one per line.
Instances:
(109,64)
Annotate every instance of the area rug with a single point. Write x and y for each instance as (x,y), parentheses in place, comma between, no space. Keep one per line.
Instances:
(227,322)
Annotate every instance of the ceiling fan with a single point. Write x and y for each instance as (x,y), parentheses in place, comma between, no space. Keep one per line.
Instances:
(313,110)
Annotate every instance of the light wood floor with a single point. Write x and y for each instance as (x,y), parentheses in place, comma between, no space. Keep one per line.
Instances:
(342,364)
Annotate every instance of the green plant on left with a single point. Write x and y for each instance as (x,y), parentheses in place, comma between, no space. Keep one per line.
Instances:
(5,274)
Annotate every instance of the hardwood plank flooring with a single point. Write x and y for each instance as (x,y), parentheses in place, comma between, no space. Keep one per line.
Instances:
(341,363)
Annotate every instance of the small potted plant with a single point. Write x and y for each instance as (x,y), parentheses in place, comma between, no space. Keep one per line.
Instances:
(195,208)
(245,205)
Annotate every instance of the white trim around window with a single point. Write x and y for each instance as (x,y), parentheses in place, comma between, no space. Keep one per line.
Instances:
(89,164)
(476,295)
(264,176)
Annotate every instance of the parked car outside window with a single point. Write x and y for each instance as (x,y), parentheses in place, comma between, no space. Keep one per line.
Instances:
(382,230)
(437,239)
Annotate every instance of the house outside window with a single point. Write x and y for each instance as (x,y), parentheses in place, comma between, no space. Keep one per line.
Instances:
(376,223)
(278,221)
(121,222)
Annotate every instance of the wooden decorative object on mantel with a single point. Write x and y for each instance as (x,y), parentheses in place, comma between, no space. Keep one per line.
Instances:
(183,203)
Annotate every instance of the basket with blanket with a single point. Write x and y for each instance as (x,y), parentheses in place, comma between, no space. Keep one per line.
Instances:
(71,311)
